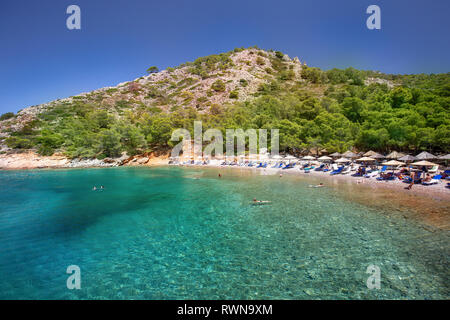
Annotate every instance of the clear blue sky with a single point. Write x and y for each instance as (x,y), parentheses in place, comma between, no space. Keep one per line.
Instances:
(41,60)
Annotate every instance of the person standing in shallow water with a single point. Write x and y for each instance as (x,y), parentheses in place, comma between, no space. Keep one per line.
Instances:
(220,176)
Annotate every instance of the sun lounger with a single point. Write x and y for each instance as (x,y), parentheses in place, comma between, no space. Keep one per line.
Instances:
(320,168)
(386,177)
(434,180)
(371,174)
(361,173)
(433,169)
(346,170)
(339,170)
(289,166)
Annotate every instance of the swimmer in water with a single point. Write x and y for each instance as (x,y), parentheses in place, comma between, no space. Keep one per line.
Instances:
(102,187)
(317,186)
(94,188)
(260,201)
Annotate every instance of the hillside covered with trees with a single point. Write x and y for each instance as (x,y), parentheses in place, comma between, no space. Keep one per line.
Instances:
(334,110)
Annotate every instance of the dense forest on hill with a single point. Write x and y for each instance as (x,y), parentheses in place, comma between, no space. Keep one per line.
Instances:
(334,110)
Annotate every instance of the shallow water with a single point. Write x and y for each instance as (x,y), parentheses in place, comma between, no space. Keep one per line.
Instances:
(177,233)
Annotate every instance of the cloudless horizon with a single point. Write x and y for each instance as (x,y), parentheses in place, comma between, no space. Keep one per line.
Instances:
(41,60)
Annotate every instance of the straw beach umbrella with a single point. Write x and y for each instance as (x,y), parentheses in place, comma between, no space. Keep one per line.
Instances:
(408,158)
(377,156)
(369,153)
(394,155)
(325,158)
(393,163)
(342,160)
(424,163)
(309,158)
(445,158)
(365,159)
(335,155)
(289,158)
(425,156)
(349,154)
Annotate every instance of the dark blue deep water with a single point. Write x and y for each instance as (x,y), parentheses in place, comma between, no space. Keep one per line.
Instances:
(175,233)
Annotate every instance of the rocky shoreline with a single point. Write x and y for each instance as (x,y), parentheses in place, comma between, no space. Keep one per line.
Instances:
(31,160)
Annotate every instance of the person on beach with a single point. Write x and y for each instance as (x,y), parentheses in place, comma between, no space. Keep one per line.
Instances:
(427,178)
(413,175)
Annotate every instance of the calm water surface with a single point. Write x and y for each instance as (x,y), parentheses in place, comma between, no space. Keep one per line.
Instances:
(177,233)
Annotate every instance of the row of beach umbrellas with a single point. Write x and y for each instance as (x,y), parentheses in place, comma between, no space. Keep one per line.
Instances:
(370,156)
(393,155)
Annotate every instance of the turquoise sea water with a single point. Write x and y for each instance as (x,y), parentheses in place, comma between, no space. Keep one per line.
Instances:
(176,233)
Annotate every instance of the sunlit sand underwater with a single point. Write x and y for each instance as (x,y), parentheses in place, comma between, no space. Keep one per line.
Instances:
(178,233)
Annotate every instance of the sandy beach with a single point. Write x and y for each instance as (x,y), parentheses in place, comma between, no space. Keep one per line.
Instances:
(437,191)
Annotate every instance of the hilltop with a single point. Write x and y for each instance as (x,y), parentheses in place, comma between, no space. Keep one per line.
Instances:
(332,110)
(213,80)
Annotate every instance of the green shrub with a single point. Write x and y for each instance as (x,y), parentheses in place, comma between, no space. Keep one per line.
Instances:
(112,90)
(279,54)
(262,54)
(287,75)
(315,75)
(218,86)
(6,116)
(234,94)
(152,69)
(19,143)
(260,61)
(202,99)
